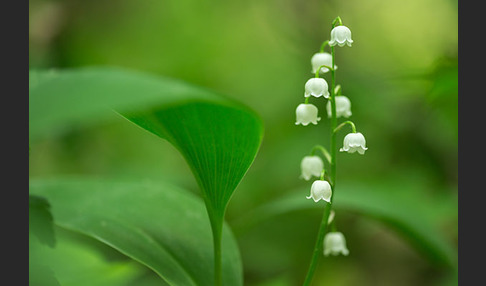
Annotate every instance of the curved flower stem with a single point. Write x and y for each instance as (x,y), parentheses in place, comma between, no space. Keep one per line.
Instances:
(325,217)
(338,21)
(322,66)
(344,123)
(321,50)
(323,150)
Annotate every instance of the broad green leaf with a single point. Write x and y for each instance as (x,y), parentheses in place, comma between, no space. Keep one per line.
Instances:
(219,144)
(63,99)
(218,137)
(162,226)
(73,262)
(396,206)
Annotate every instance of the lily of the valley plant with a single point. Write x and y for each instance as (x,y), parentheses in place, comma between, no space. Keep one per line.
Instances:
(329,241)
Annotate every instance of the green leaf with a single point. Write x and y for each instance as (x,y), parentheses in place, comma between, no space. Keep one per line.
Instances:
(218,137)
(219,144)
(41,275)
(395,205)
(162,226)
(78,262)
(63,99)
(40,220)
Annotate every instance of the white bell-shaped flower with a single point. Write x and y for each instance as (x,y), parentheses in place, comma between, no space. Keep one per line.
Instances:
(306,113)
(343,107)
(354,142)
(320,59)
(311,166)
(320,189)
(335,243)
(340,35)
(316,87)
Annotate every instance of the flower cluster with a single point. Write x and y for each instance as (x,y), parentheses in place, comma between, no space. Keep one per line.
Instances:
(337,106)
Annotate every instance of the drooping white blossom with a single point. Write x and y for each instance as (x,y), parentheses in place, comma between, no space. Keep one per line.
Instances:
(306,113)
(320,59)
(311,166)
(343,107)
(340,35)
(320,190)
(335,243)
(354,142)
(316,87)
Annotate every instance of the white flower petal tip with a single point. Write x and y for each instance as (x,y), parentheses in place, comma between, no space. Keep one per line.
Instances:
(311,166)
(334,244)
(316,87)
(320,190)
(320,59)
(341,36)
(306,113)
(343,107)
(354,142)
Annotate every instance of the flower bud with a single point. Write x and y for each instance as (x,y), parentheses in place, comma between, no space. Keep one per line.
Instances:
(306,113)
(343,107)
(331,217)
(311,166)
(340,35)
(320,190)
(316,87)
(335,243)
(354,142)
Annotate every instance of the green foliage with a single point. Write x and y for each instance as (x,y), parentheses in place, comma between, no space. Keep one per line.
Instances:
(61,99)
(397,209)
(159,225)
(40,220)
(260,56)
(90,263)
(40,274)
(218,137)
(219,144)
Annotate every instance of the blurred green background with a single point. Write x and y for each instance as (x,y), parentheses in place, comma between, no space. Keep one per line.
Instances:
(401,76)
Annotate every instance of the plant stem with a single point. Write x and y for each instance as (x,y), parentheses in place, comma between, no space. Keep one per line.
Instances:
(324,152)
(320,67)
(323,45)
(217,262)
(322,229)
(217,227)
(333,123)
(318,247)
(353,127)
(337,21)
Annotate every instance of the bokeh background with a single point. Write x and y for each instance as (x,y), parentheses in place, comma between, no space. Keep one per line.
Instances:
(401,76)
